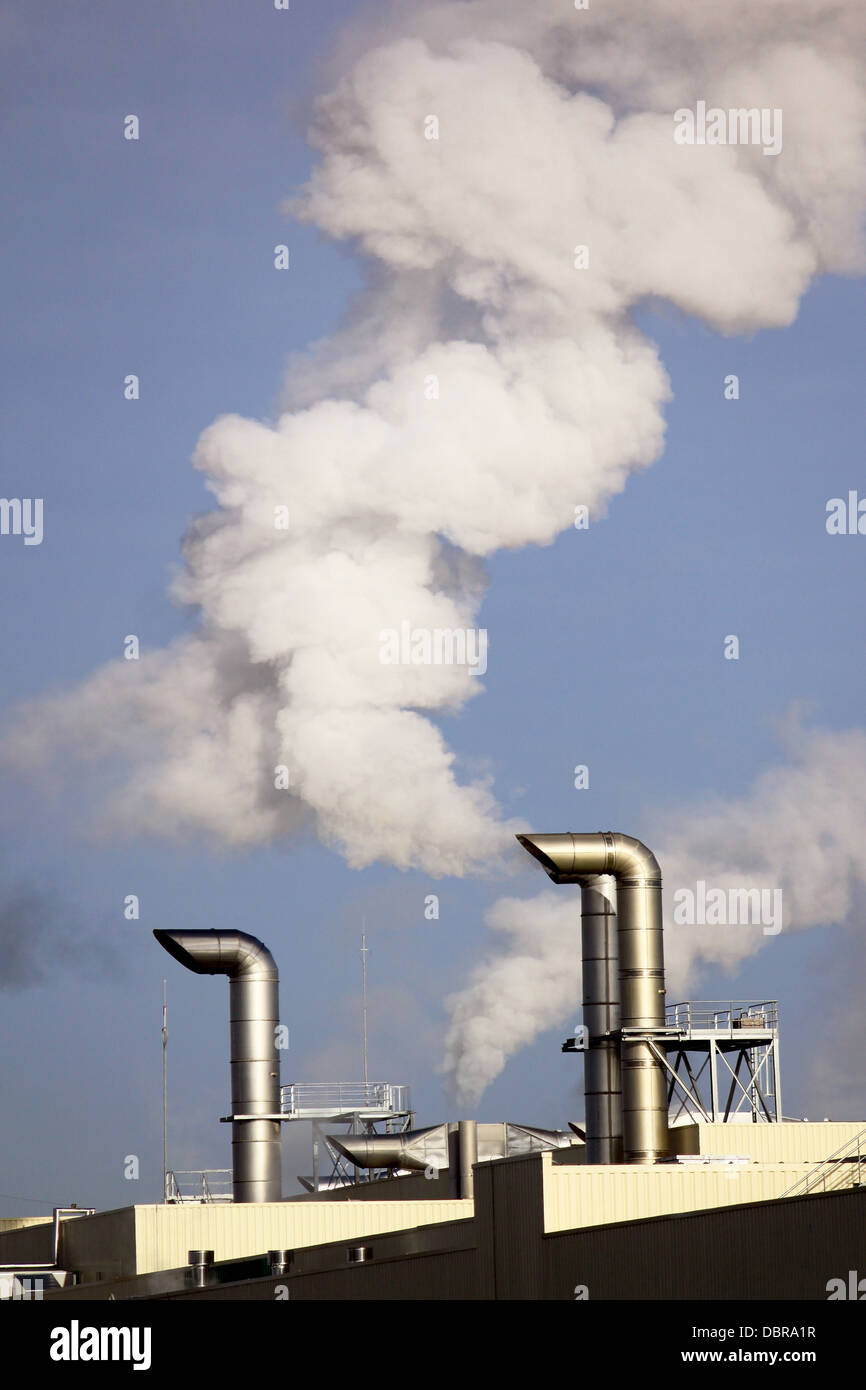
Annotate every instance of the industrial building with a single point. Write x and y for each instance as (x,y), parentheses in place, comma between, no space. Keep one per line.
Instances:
(684,1149)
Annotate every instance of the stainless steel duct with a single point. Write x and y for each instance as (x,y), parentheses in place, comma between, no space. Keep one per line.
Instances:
(200,1262)
(467,1147)
(571,858)
(530,1139)
(415,1149)
(450,1147)
(602,1085)
(255,1059)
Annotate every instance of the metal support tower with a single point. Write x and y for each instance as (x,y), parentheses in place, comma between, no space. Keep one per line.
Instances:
(723,1061)
(362,1107)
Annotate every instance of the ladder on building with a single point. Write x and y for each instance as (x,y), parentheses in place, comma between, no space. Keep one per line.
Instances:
(844,1168)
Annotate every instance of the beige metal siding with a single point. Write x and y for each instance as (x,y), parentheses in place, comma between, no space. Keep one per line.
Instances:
(575,1197)
(767,1143)
(770,1250)
(20,1223)
(165,1234)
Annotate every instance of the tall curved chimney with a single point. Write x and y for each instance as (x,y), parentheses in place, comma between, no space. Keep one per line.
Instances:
(255,1059)
(579,859)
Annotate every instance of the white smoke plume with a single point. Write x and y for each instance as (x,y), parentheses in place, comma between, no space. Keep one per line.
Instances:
(801,828)
(483,387)
(514,996)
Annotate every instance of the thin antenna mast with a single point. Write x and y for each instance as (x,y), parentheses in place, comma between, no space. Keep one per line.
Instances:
(164,1093)
(364,978)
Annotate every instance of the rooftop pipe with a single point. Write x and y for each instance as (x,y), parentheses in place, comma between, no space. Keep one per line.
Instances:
(580,859)
(255,1059)
(602,1077)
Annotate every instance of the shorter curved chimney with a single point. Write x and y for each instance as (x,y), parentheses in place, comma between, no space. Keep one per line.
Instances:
(254,987)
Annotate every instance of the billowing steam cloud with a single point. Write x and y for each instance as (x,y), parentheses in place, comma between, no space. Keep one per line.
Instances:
(488,382)
(518,994)
(801,829)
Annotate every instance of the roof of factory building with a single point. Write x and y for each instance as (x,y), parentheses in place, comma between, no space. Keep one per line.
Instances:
(526,1198)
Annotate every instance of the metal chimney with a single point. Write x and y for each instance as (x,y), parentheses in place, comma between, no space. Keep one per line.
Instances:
(255,1059)
(602,1083)
(467,1145)
(580,859)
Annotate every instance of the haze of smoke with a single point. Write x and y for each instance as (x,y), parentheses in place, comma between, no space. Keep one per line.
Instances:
(513,997)
(35,944)
(555,130)
(800,828)
(836,991)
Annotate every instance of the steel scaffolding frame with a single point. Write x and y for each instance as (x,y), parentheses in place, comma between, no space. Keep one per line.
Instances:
(722,1061)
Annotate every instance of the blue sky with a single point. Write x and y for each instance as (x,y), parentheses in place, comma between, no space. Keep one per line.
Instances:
(155,257)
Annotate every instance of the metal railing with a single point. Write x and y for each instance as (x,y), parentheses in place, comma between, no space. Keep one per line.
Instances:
(724,1016)
(343,1097)
(198,1185)
(844,1168)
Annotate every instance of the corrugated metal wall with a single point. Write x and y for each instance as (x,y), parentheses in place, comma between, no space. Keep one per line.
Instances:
(774,1250)
(437,1262)
(102,1244)
(25,1243)
(767,1143)
(525,1209)
(577,1196)
(34,1242)
(509,1205)
(165,1234)
(19,1223)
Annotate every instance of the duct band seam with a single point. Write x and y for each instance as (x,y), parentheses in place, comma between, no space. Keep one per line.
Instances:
(610,850)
